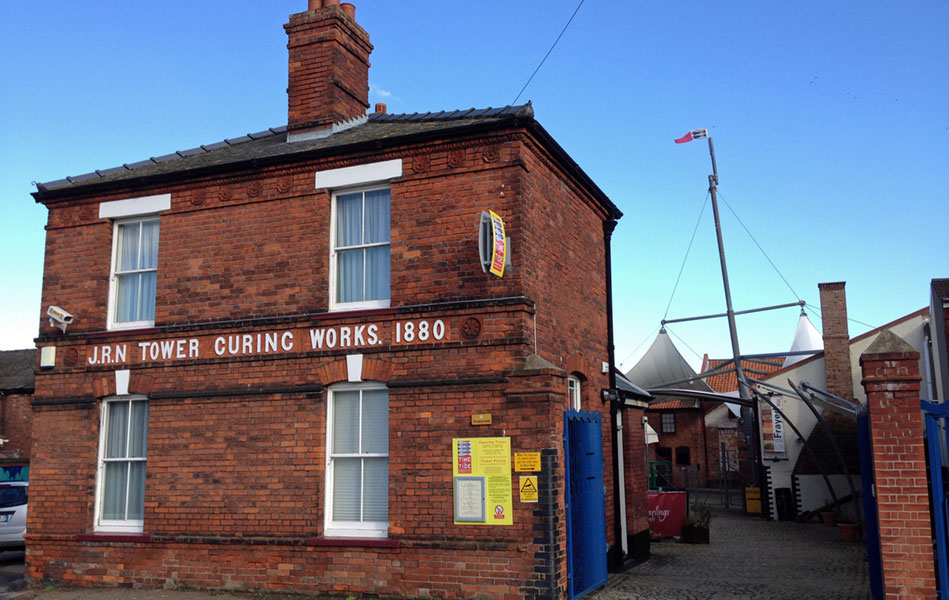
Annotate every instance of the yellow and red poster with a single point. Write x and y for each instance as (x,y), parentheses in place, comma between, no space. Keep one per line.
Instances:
(481,470)
(498,245)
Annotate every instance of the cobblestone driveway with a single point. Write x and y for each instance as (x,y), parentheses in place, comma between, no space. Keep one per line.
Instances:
(748,558)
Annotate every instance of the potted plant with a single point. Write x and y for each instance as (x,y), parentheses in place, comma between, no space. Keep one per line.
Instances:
(847,530)
(695,529)
(827,515)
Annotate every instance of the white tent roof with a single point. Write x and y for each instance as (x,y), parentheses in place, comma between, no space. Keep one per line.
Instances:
(662,366)
(805,338)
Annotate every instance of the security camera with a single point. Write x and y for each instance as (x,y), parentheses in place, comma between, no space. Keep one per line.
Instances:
(59,318)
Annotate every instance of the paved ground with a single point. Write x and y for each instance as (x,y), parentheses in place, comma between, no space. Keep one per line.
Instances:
(748,558)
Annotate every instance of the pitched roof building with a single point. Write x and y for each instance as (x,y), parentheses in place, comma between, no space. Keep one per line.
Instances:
(338,355)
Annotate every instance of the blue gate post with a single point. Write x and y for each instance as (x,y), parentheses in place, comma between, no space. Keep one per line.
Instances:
(870,518)
(934,412)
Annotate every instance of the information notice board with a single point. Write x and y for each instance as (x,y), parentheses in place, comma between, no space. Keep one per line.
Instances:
(481,474)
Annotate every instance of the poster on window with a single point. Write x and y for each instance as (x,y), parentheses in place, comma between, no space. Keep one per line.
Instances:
(489,460)
(772,427)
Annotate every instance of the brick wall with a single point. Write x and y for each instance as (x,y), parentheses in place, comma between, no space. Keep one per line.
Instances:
(689,434)
(234,480)
(17,425)
(892,383)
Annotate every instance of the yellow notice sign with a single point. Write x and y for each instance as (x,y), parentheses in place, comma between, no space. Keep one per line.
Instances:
(753,500)
(528,488)
(527,462)
(490,459)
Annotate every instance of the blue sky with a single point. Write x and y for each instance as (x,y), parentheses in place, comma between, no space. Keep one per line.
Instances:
(830,123)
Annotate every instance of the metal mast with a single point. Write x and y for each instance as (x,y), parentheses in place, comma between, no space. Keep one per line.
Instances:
(749,415)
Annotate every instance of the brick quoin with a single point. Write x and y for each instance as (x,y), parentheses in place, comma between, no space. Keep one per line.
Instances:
(891,380)
(235,475)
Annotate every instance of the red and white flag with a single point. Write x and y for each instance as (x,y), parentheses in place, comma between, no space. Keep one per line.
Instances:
(695,134)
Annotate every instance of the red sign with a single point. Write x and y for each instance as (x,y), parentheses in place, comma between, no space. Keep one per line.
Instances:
(666,513)
(464,464)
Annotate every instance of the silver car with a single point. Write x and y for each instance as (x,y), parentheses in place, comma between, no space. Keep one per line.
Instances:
(13,496)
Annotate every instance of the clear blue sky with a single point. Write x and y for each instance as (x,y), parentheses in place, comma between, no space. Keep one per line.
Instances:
(830,123)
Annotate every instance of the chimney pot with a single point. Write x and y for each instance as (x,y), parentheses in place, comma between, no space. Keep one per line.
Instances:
(330,2)
(314,4)
(380,107)
(349,9)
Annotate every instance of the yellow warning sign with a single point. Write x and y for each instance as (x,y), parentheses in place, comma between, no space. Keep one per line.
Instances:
(528,488)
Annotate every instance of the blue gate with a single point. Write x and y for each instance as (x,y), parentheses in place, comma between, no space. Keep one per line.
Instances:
(936,413)
(586,516)
(870,514)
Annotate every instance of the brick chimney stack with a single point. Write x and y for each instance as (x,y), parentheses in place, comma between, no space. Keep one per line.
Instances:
(833,306)
(328,70)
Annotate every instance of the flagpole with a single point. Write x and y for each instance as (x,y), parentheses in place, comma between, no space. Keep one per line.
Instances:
(749,415)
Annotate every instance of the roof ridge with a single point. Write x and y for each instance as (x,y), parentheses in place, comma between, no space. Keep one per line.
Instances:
(523,110)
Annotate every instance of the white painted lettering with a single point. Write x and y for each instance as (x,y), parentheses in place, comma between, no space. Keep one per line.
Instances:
(344,341)
(219,346)
(180,349)
(248,344)
(331,338)
(233,344)
(94,359)
(153,350)
(142,351)
(373,331)
(316,338)
(167,347)
(193,348)
(270,342)
(106,354)
(357,335)
(284,343)
(120,353)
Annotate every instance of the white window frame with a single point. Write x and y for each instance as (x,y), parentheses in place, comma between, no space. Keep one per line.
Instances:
(111,323)
(335,305)
(348,529)
(574,393)
(114,525)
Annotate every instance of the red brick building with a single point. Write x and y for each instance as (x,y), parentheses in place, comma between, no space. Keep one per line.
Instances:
(17,377)
(287,353)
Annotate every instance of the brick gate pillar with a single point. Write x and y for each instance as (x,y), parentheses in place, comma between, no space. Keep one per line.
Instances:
(892,383)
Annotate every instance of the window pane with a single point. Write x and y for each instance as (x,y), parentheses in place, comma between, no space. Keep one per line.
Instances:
(127,297)
(113,499)
(136,497)
(128,246)
(375,489)
(138,429)
(346,422)
(149,255)
(346,476)
(146,307)
(116,436)
(375,421)
(377,217)
(377,273)
(349,276)
(348,220)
